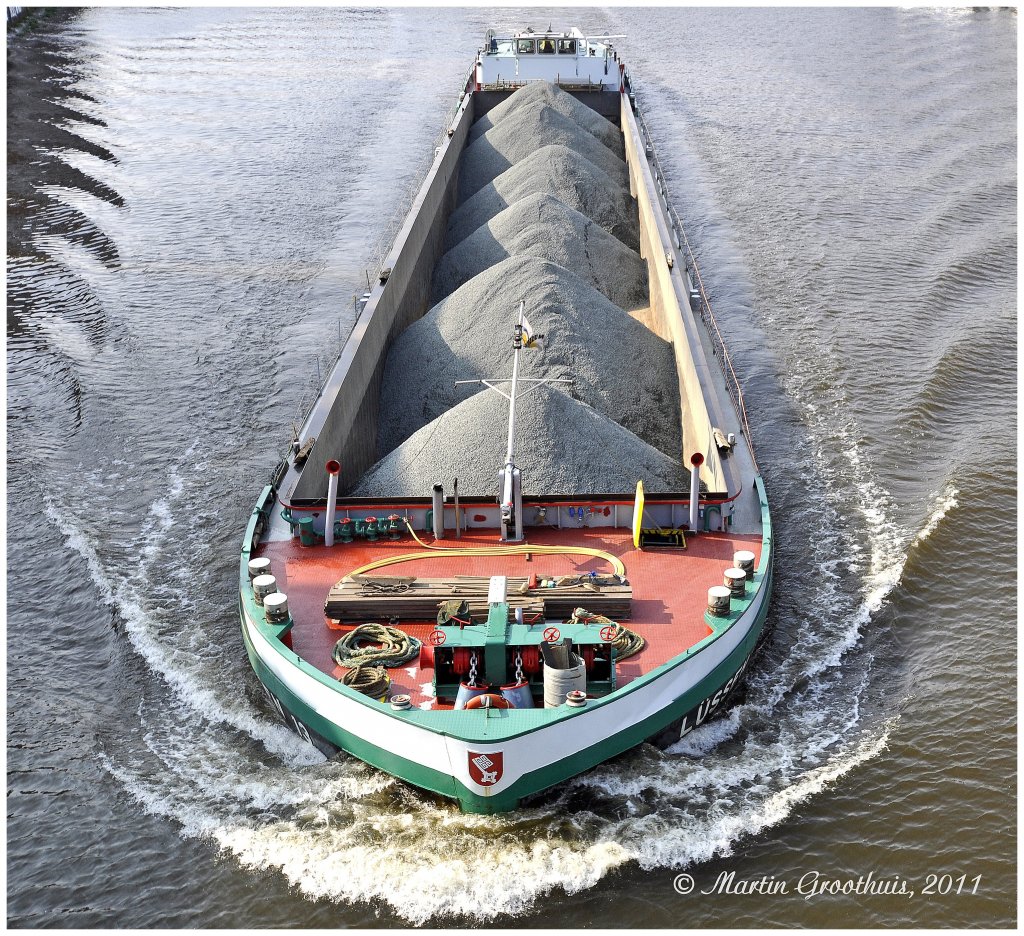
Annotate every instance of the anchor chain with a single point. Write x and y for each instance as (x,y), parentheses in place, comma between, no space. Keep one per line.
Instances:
(471,678)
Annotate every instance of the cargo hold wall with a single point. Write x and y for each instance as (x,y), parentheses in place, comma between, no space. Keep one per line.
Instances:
(671,318)
(605,102)
(345,417)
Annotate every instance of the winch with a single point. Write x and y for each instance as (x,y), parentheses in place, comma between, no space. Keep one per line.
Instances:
(504,653)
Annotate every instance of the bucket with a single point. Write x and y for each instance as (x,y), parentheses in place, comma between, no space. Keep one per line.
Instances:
(558,683)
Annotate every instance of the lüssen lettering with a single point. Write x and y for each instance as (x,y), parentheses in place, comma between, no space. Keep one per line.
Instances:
(707,707)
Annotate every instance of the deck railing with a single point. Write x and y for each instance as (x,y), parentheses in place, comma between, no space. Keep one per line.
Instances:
(696,284)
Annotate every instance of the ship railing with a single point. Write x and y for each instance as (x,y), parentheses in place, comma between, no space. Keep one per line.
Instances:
(704,309)
(577,84)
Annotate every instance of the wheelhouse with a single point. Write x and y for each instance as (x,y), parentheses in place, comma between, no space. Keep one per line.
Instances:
(569,59)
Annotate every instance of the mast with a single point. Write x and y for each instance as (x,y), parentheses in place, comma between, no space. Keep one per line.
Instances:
(510,496)
(517,345)
(510,475)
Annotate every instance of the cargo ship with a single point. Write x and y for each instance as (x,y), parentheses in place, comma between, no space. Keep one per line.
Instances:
(435,580)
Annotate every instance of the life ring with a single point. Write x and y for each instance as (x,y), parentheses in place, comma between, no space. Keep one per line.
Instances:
(488,700)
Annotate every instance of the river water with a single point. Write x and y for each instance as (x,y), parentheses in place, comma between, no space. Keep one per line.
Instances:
(193,198)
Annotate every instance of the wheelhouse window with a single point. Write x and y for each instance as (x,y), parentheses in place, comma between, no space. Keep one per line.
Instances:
(546,46)
(567,46)
(525,46)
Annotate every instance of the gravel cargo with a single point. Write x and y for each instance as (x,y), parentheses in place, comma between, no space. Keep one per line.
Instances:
(554,97)
(552,170)
(546,216)
(513,140)
(618,366)
(542,226)
(562,447)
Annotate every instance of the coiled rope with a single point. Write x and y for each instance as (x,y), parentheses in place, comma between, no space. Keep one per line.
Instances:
(626,642)
(520,550)
(369,680)
(375,644)
(367,650)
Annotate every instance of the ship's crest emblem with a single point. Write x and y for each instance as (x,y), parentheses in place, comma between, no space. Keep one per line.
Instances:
(485,769)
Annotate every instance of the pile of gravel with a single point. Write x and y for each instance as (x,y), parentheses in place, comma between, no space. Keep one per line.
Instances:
(554,97)
(514,139)
(545,215)
(618,366)
(562,447)
(555,170)
(542,226)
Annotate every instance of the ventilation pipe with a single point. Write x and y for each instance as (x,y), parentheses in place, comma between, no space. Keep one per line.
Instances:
(438,512)
(696,460)
(333,468)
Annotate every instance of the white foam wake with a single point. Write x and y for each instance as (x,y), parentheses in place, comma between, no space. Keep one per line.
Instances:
(342,831)
(175,660)
(839,468)
(891,545)
(433,863)
(945,502)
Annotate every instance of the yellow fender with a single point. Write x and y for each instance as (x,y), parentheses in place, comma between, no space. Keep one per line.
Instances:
(638,514)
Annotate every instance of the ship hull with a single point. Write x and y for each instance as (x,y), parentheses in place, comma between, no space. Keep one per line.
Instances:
(663,706)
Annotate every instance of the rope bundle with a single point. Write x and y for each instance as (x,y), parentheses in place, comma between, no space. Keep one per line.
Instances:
(375,644)
(626,642)
(369,680)
(367,650)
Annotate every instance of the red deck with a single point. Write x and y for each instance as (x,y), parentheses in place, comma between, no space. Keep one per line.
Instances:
(669,587)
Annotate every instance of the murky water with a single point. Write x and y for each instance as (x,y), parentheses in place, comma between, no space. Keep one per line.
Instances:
(194,196)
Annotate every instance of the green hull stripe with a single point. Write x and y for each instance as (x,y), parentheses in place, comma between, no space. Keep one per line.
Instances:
(386,760)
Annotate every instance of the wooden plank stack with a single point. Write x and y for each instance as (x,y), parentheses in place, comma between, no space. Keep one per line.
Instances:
(373,597)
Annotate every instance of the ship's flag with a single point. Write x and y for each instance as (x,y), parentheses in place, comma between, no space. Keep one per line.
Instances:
(531,340)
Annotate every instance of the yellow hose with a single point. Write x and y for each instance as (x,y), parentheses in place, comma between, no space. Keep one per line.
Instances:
(521,550)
